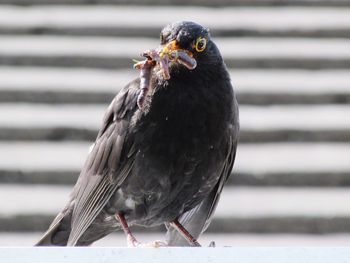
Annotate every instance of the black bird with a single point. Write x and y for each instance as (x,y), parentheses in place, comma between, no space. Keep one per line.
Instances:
(165,163)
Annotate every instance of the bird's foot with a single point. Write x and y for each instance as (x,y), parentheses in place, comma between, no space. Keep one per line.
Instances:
(132,242)
(155,244)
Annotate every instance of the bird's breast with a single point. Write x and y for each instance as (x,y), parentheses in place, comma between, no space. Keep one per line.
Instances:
(180,150)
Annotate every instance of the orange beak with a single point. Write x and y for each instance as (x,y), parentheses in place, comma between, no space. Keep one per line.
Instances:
(171,47)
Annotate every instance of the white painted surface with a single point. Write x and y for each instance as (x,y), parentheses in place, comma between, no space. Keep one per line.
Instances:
(291,81)
(293,157)
(245,202)
(173,255)
(295,117)
(234,48)
(63,79)
(276,18)
(45,115)
(283,201)
(246,240)
(256,158)
(293,48)
(276,117)
(60,156)
(79,46)
(33,199)
(97,80)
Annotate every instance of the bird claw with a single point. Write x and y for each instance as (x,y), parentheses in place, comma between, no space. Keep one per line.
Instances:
(132,242)
(212,244)
(154,244)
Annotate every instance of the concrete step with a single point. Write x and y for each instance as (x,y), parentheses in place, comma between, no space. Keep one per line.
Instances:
(101,52)
(17,239)
(266,210)
(278,123)
(182,2)
(253,86)
(238,22)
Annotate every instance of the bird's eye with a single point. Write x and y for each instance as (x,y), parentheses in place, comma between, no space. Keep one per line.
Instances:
(200,44)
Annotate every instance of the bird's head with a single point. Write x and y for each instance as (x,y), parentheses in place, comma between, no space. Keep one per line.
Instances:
(192,38)
(185,47)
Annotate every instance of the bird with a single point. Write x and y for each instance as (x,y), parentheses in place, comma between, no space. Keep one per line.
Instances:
(162,163)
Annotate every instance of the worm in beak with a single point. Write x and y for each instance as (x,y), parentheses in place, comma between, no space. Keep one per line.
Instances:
(159,59)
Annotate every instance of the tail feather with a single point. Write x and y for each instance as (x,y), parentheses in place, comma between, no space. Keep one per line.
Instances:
(58,232)
(60,229)
(49,238)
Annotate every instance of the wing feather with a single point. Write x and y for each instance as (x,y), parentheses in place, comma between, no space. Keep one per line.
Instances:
(106,166)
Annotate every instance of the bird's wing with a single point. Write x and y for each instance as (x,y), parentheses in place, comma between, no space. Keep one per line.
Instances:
(198,219)
(108,164)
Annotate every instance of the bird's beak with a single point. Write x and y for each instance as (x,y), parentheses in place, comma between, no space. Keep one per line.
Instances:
(169,47)
(172,47)
(175,53)
(170,52)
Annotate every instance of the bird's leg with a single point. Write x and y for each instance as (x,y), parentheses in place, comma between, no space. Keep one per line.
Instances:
(132,242)
(176,224)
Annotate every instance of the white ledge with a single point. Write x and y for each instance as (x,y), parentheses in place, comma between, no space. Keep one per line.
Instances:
(183,255)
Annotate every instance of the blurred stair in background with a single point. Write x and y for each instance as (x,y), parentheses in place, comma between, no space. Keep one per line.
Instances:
(62,62)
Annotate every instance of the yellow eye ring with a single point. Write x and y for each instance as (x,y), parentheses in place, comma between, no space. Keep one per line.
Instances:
(201,44)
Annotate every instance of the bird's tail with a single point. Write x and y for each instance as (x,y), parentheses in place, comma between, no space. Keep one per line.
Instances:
(58,232)
(46,239)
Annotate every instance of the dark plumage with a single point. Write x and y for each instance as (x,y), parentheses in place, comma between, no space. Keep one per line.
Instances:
(168,161)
